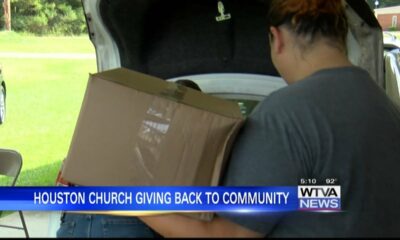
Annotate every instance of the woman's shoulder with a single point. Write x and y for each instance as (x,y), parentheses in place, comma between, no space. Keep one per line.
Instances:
(323,86)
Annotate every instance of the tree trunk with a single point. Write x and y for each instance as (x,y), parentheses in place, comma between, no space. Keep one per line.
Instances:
(7,14)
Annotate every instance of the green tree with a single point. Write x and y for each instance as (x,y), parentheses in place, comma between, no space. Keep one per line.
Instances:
(66,17)
(48,16)
(28,15)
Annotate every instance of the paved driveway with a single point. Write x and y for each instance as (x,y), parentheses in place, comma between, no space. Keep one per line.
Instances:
(39,224)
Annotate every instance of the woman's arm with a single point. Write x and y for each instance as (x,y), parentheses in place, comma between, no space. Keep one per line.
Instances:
(175,225)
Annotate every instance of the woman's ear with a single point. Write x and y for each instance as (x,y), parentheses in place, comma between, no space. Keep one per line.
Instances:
(276,40)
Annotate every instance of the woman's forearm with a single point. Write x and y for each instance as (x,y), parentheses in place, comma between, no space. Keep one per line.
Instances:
(175,225)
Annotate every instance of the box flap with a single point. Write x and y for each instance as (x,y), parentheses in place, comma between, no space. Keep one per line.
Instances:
(170,90)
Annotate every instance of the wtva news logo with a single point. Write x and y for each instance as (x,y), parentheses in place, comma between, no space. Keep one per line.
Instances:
(319,198)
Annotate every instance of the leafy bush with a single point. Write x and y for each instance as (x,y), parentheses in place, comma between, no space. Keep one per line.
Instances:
(48,17)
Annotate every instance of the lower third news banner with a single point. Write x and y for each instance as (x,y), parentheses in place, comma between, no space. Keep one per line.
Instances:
(172,199)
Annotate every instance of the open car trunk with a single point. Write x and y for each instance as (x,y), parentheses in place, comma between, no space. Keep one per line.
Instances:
(180,38)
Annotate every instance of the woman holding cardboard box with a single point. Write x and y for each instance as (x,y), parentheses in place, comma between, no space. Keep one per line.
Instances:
(332,121)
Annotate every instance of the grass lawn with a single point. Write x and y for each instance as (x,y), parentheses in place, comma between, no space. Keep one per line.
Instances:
(43,101)
(15,42)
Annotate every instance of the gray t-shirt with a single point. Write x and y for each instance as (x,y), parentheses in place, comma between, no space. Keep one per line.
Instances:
(336,123)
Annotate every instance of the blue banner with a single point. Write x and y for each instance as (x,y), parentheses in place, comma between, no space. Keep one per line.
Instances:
(168,199)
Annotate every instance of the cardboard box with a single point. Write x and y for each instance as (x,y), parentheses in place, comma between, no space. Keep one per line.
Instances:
(138,130)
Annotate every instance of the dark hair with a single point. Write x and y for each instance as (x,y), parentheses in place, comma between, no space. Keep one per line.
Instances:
(311,19)
(189,84)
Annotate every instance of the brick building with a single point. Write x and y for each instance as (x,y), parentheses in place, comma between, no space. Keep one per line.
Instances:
(389,17)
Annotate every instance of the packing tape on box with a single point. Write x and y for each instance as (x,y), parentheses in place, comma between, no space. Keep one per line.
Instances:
(174,92)
(154,128)
(152,134)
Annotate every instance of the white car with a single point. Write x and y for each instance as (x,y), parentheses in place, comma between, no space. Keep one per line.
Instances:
(222,45)
(392,66)
(390,41)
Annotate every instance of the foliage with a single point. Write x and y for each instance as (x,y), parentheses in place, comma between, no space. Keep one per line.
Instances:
(47,17)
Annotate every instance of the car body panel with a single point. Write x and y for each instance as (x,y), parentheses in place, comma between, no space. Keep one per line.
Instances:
(390,41)
(392,75)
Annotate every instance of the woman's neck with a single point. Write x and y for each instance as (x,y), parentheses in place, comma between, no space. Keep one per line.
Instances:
(318,58)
